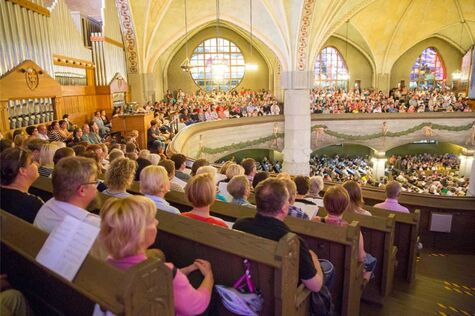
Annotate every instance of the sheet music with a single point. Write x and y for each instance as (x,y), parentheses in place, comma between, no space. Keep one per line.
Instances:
(67,247)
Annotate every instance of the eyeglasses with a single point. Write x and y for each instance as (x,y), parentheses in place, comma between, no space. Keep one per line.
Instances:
(96,182)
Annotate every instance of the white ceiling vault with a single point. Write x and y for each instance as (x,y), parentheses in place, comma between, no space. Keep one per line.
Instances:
(294,31)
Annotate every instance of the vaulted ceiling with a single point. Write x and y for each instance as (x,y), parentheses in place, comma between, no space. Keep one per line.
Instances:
(294,31)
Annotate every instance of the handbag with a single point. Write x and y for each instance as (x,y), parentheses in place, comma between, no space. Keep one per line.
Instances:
(238,299)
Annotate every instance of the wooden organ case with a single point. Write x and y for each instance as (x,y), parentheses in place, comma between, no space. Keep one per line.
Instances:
(28,96)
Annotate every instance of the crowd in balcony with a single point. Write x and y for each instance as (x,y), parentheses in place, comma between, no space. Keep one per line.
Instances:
(331,101)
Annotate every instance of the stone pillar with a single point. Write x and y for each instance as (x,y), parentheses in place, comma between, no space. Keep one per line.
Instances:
(379,163)
(466,160)
(297,123)
(136,83)
(469,170)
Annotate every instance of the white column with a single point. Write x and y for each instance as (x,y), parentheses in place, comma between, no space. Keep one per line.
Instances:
(297,132)
(470,172)
(379,162)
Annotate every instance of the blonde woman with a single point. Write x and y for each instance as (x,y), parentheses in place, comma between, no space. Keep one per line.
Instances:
(232,170)
(200,192)
(315,186)
(46,159)
(119,177)
(212,171)
(128,228)
(154,184)
(356,198)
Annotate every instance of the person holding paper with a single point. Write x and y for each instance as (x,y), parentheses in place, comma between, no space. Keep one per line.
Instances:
(128,228)
(74,187)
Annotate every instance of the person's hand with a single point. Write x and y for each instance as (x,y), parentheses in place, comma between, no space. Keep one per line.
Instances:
(316,219)
(204,266)
(188,269)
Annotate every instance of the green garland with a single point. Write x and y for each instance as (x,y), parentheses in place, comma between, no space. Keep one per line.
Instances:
(262,140)
(393,134)
(242,145)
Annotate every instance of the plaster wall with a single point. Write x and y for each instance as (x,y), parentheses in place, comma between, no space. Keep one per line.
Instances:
(451,57)
(255,80)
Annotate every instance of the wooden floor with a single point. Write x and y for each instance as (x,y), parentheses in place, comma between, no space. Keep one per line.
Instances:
(444,285)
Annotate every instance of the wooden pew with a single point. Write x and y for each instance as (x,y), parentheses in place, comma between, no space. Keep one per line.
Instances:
(339,245)
(145,289)
(405,239)
(274,264)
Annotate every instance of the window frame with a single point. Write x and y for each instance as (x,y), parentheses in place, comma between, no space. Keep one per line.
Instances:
(334,84)
(420,81)
(203,79)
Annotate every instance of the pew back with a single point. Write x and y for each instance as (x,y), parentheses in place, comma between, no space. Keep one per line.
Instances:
(405,239)
(145,289)
(274,265)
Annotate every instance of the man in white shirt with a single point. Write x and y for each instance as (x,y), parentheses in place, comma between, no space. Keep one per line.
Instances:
(42,132)
(74,187)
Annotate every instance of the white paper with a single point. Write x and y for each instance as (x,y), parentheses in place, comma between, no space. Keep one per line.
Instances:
(309,209)
(441,223)
(67,247)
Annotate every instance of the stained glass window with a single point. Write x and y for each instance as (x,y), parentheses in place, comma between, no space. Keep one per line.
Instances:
(330,70)
(428,71)
(217,64)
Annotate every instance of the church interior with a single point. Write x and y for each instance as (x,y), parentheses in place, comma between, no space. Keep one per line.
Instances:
(182,120)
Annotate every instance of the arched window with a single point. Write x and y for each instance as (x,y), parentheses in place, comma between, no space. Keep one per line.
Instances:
(428,71)
(217,64)
(330,69)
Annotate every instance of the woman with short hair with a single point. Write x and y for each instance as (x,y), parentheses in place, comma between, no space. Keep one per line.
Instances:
(201,193)
(239,188)
(46,159)
(128,228)
(154,184)
(119,177)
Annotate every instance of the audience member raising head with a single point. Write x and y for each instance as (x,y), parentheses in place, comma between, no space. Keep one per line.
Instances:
(119,177)
(154,184)
(18,171)
(200,192)
(128,228)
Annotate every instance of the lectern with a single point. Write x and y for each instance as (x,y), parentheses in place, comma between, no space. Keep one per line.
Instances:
(128,122)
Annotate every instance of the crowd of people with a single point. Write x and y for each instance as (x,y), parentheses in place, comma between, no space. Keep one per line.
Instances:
(330,101)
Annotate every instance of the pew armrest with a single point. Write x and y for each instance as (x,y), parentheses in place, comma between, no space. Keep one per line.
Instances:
(302,294)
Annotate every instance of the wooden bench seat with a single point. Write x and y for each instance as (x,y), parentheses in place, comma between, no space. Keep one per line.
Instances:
(274,265)
(145,289)
(405,239)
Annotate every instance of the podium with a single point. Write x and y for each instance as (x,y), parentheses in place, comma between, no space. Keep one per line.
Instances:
(128,122)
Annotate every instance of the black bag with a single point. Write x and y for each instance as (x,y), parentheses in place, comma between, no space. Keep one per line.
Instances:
(321,303)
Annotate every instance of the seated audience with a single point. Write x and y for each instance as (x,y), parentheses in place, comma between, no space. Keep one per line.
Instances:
(240,189)
(232,170)
(336,201)
(197,164)
(294,211)
(119,177)
(5,144)
(259,177)
(250,168)
(180,166)
(154,159)
(200,192)
(128,228)
(356,198)
(63,153)
(34,145)
(272,202)
(141,164)
(42,132)
(303,186)
(154,184)
(94,136)
(315,186)
(46,159)
(175,183)
(213,173)
(17,172)
(74,187)
(393,191)
(115,154)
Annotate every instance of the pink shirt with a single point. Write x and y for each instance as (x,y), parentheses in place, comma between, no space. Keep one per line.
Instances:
(392,205)
(188,300)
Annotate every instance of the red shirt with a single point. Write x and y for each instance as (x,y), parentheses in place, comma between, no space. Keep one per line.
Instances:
(210,220)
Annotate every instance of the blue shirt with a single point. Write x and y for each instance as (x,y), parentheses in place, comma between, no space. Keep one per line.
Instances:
(162,204)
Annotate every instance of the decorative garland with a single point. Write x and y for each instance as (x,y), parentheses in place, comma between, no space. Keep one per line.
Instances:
(262,140)
(241,145)
(393,134)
